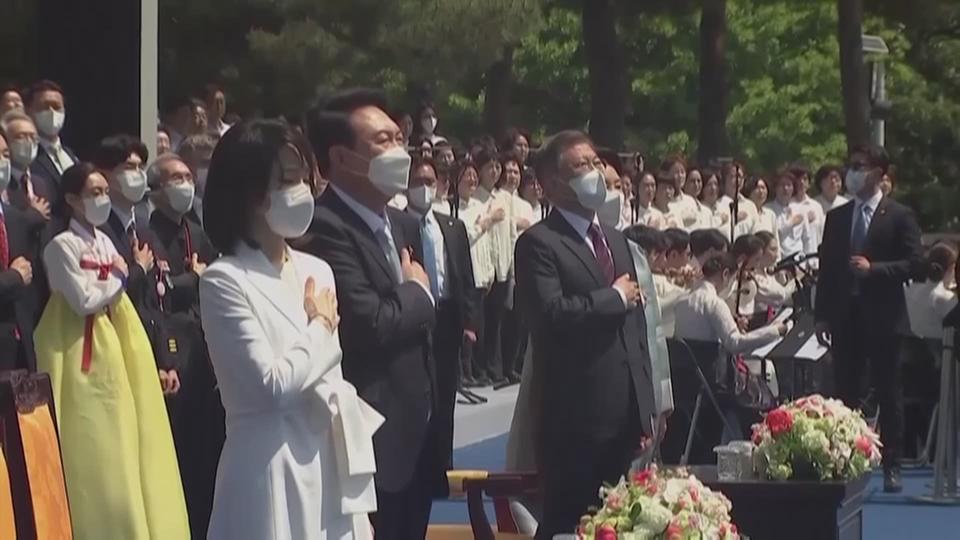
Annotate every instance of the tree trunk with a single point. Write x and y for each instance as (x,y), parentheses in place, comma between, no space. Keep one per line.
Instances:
(713,81)
(496,103)
(608,85)
(853,72)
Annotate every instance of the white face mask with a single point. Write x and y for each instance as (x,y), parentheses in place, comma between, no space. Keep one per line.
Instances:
(50,122)
(180,196)
(390,171)
(96,209)
(591,189)
(609,212)
(429,124)
(5,174)
(421,197)
(201,180)
(23,152)
(133,184)
(291,211)
(855,181)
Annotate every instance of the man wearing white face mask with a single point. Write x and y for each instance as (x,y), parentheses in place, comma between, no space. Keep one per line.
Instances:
(871,247)
(27,187)
(578,288)
(45,104)
(387,310)
(196,151)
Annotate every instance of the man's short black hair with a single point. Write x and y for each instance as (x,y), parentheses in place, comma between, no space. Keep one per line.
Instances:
(114,150)
(650,239)
(716,264)
(703,240)
(876,155)
(547,162)
(748,245)
(43,85)
(611,158)
(328,124)
(678,240)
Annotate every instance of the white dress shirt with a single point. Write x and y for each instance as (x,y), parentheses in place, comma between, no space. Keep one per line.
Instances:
(436,238)
(745,206)
(582,227)
(376,222)
(807,206)
(702,315)
(928,303)
(668,294)
(503,235)
(827,206)
(649,216)
(471,212)
(793,238)
(716,216)
(685,208)
(61,159)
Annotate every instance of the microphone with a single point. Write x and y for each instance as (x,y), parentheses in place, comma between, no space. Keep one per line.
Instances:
(793,260)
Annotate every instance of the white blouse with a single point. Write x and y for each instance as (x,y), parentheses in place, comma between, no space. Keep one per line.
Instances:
(794,238)
(687,211)
(704,316)
(809,206)
(746,207)
(471,213)
(928,303)
(827,206)
(79,266)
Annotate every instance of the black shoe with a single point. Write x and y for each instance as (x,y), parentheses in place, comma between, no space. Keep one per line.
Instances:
(467,382)
(481,381)
(513,378)
(498,382)
(891,480)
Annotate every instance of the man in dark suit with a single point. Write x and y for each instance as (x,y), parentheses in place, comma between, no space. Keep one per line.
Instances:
(871,246)
(446,259)
(590,348)
(46,106)
(183,251)
(22,293)
(26,188)
(386,308)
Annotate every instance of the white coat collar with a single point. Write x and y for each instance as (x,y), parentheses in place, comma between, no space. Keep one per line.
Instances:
(266,278)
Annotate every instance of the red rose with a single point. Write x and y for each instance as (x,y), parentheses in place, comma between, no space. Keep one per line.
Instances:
(779,421)
(606,532)
(642,477)
(864,446)
(674,532)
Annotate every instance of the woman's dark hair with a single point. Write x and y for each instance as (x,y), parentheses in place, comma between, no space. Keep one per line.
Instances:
(457,171)
(485,156)
(418,117)
(824,172)
(510,138)
(650,239)
(876,155)
(72,181)
(677,240)
(508,157)
(939,260)
(716,264)
(114,150)
(612,158)
(670,161)
(239,178)
(703,240)
(748,245)
(766,237)
(753,183)
(705,175)
(665,180)
(783,175)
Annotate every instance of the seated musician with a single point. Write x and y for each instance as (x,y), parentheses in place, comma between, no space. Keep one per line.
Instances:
(774,290)
(705,243)
(703,315)
(929,301)
(670,275)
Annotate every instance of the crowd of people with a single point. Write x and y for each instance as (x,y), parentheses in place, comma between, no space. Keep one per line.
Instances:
(258,328)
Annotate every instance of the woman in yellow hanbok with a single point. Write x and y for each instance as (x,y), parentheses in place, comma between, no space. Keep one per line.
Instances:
(118,455)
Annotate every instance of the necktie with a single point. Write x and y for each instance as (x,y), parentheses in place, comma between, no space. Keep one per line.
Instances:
(132,236)
(600,249)
(55,156)
(430,257)
(385,239)
(4,245)
(859,236)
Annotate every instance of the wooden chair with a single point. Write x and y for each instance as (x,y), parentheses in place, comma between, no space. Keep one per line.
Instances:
(32,450)
(501,487)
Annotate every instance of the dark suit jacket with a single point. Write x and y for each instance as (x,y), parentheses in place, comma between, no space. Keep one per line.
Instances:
(459,269)
(894,251)
(44,167)
(384,331)
(21,305)
(590,353)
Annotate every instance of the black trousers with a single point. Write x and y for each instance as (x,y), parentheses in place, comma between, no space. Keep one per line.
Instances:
(572,469)
(471,355)
(857,341)
(516,335)
(404,514)
(447,340)
(494,309)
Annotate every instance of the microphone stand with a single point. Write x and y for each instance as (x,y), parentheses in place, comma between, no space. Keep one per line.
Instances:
(734,213)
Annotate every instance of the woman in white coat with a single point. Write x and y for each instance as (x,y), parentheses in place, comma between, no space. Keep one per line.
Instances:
(298,459)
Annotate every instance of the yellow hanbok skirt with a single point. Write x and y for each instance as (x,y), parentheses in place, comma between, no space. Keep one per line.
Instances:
(119,461)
